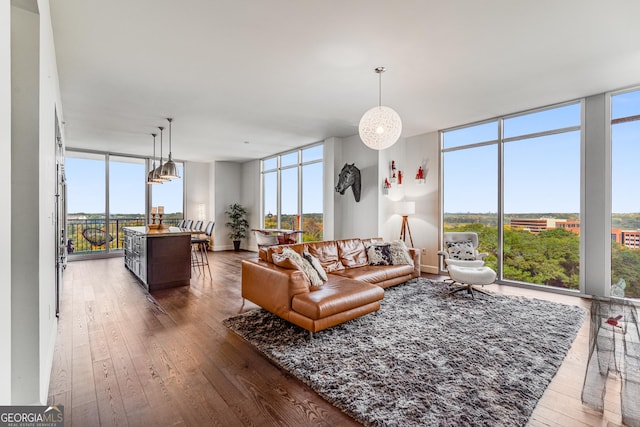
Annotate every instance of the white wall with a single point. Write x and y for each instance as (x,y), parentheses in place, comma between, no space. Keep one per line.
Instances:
(5,188)
(50,104)
(25,334)
(197,181)
(228,187)
(251,199)
(595,268)
(356,219)
(409,154)
(329,181)
(35,96)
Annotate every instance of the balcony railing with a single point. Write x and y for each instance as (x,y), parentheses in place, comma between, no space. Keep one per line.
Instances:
(90,236)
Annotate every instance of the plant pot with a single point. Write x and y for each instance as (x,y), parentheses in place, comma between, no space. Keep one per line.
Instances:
(236,245)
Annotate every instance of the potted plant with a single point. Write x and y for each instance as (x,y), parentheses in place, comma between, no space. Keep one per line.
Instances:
(238,224)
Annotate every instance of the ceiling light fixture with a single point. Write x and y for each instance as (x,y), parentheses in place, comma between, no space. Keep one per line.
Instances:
(153,177)
(380,127)
(158,171)
(169,170)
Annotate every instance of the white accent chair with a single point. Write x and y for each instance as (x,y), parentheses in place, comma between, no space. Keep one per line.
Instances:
(464,263)
(461,248)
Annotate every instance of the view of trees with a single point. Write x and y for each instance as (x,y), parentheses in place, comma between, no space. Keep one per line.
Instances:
(551,257)
(311,225)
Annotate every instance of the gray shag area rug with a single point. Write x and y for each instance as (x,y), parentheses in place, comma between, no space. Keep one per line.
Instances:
(427,358)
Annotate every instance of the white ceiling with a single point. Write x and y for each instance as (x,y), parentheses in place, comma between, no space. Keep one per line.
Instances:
(285,73)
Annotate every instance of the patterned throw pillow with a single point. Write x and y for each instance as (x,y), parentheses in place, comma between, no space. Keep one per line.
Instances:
(302,264)
(379,254)
(400,253)
(462,250)
(317,265)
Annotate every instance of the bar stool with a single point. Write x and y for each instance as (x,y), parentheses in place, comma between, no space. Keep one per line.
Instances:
(199,257)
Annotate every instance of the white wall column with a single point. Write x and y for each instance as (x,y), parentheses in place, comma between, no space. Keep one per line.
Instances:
(596,218)
(5,188)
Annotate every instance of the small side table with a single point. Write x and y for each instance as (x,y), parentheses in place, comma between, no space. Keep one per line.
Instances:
(614,347)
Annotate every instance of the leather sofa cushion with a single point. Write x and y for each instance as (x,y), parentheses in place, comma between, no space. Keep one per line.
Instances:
(352,253)
(339,294)
(327,253)
(376,274)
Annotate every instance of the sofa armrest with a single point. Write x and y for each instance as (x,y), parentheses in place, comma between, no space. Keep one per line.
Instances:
(415,255)
(270,286)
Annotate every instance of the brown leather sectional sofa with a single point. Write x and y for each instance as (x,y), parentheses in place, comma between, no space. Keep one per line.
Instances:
(354,288)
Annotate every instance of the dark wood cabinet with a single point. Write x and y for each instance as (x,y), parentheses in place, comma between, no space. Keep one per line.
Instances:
(158,258)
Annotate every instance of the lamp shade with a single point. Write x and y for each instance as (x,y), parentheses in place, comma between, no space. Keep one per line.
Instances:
(380,127)
(169,169)
(405,208)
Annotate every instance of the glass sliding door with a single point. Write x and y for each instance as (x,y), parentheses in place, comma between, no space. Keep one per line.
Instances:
(127,194)
(625,195)
(86,207)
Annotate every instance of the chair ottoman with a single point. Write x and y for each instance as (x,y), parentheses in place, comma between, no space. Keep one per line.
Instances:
(469,277)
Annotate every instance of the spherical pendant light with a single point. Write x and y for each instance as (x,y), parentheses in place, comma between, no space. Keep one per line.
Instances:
(381,126)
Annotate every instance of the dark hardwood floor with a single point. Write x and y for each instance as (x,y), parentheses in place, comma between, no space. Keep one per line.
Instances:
(124,357)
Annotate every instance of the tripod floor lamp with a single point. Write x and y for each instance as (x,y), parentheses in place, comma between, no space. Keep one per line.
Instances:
(405,209)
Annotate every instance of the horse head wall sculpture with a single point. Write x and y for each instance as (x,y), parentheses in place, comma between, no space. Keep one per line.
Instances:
(349,177)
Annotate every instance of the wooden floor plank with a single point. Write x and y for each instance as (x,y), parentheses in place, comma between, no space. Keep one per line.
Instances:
(125,357)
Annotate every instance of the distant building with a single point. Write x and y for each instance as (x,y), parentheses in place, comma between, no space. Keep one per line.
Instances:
(536,225)
(628,238)
(572,226)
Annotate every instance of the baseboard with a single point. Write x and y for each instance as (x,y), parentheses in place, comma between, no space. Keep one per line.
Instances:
(432,269)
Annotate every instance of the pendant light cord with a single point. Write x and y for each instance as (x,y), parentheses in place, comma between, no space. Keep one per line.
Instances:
(379,70)
(380,88)
(154,149)
(170,120)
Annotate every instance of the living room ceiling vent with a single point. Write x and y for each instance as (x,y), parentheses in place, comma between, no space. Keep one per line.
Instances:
(153,177)
(169,170)
(380,127)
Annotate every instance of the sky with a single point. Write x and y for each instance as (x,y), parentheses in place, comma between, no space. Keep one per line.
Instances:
(541,175)
(127,186)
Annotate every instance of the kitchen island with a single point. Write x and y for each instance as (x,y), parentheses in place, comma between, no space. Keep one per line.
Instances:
(159,258)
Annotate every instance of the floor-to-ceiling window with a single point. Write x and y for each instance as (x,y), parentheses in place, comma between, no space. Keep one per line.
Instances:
(126,196)
(106,192)
(625,195)
(292,189)
(516,181)
(470,178)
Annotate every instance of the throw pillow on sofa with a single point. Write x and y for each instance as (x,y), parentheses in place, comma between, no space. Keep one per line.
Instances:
(317,265)
(289,258)
(379,254)
(399,253)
